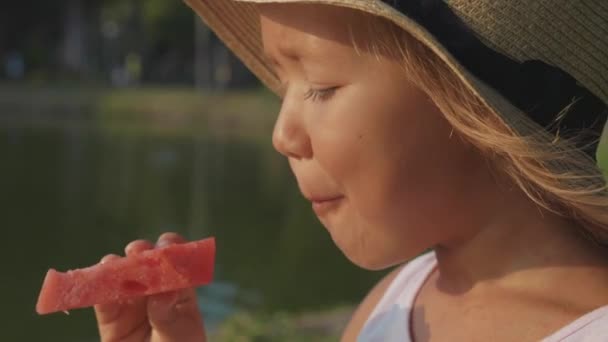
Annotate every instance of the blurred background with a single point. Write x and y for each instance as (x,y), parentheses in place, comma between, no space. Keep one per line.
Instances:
(124,119)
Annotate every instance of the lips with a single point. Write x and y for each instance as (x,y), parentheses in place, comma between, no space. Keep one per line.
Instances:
(322,193)
(324,205)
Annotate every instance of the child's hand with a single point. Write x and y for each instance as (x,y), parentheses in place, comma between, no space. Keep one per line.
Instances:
(166,317)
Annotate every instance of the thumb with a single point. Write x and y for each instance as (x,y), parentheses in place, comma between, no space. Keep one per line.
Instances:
(175,316)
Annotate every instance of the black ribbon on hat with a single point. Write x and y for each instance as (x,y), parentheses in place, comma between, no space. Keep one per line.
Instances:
(539,90)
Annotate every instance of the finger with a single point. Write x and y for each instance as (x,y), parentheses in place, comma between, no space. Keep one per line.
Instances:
(109,257)
(109,312)
(169,238)
(175,316)
(138,246)
(122,321)
(116,321)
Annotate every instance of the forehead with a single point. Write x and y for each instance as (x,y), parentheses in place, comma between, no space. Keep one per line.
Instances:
(290,29)
(329,22)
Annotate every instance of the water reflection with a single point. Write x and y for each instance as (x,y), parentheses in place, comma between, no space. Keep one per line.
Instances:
(75,192)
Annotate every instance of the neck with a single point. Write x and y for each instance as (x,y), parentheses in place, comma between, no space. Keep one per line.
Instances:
(517,245)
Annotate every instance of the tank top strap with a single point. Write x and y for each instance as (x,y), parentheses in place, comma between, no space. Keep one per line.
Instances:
(591,327)
(390,319)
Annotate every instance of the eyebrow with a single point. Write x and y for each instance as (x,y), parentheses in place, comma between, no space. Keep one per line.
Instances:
(288,52)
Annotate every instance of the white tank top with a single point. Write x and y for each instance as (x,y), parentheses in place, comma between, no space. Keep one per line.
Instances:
(390,319)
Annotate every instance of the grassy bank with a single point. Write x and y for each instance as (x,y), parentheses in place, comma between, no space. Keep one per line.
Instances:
(146,110)
(325,326)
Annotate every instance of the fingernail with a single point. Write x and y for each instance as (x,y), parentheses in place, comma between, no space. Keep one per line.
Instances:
(108,258)
(162,243)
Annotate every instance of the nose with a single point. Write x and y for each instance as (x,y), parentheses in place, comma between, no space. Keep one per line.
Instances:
(290,136)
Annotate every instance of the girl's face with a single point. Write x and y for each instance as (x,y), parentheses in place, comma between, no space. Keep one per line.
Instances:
(384,171)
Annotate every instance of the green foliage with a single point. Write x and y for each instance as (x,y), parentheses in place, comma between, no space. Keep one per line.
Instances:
(167,21)
(277,327)
(118,10)
(162,31)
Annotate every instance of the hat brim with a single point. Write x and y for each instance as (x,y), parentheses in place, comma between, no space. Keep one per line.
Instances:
(242,35)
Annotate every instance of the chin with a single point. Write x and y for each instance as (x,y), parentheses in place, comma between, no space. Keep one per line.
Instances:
(364,255)
(369,263)
(376,259)
(363,245)
(373,254)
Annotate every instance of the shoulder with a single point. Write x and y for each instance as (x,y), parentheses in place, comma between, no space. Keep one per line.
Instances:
(367,306)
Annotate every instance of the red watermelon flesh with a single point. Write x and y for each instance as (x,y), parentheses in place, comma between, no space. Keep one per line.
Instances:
(153,271)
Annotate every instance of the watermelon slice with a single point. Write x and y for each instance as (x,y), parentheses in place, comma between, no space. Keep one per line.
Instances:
(153,271)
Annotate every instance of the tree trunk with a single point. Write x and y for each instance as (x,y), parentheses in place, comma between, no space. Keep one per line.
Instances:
(203,78)
(73,48)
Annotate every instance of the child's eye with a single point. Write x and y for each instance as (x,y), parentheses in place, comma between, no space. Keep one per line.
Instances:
(320,94)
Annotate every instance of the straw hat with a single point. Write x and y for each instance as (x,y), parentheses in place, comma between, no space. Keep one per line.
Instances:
(527,59)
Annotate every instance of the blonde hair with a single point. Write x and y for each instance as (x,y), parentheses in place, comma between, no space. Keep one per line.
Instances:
(535,162)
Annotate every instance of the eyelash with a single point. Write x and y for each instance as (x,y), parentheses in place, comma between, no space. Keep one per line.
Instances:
(320,94)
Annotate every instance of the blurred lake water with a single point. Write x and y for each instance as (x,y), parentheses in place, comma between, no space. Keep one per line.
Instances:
(82,182)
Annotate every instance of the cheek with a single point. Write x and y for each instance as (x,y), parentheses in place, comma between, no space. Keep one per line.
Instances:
(400,162)
(401,171)
(336,136)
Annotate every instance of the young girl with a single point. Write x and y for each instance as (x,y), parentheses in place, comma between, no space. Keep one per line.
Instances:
(464,127)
